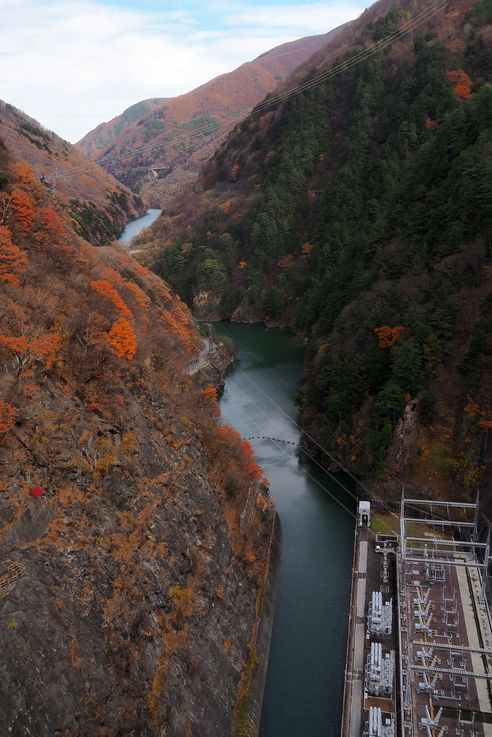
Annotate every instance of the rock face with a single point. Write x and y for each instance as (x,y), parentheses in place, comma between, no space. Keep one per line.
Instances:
(102,636)
(404,445)
(134,527)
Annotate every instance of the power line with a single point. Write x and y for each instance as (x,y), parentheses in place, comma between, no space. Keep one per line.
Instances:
(278,376)
(311,458)
(285,454)
(334,71)
(333,458)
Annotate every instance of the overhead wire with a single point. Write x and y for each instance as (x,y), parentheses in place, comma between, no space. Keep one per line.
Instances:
(278,376)
(356,480)
(285,453)
(301,430)
(336,70)
(407,27)
(333,458)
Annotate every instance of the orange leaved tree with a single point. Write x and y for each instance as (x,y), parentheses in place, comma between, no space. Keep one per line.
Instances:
(13,262)
(106,289)
(461,82)
(45,348)
(122,339)
(16,345)
(51,230)
(23,209)
(210,392)
(8,414)
(250,465)
(387,336)
(38,353)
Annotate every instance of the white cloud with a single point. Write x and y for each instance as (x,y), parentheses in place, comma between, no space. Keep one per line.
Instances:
(74,64)
(301,20)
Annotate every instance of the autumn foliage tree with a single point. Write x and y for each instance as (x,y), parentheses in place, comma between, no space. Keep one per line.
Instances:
(27,180)
(106,289)
(42,349)
(16,345)
(249,463)
(286,261)
(461,82)
(122,339)
(8,415)
(23,211)
(51,230)
(13,262)
(388,336)
(210,393)
(228,443)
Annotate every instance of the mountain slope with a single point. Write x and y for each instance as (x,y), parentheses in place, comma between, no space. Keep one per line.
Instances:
(134,531)
(359,213)
(203,113)
(97,202)
(94,143)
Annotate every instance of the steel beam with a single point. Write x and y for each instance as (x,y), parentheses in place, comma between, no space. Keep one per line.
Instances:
(439,523)
(444,562)
(454,543)
(461,505)
(451,671)
(464,648)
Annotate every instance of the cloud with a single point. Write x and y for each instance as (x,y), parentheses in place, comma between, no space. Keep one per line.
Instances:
(73,64)
(300,20)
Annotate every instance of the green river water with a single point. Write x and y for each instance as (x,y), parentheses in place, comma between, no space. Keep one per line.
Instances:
(304,688)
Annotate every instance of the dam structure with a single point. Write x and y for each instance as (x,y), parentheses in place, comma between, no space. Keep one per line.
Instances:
(419,651)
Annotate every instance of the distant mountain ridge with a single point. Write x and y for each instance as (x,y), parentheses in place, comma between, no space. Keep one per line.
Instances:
(207,107)
(96,141)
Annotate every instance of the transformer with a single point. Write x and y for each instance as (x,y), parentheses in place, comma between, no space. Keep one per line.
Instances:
(380,616)
(379,724)
(379,671)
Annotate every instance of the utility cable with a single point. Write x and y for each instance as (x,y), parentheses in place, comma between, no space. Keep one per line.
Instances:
(268,102)
(285,454)
(306,453)
(306,403)
(306,434)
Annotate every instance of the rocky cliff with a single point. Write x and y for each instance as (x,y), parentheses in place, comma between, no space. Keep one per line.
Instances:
(134,525)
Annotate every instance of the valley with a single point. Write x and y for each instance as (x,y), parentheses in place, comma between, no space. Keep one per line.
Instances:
(229,320)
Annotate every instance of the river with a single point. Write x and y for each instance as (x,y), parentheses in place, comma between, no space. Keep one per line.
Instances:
(303,696)
(135,226)
(304,688)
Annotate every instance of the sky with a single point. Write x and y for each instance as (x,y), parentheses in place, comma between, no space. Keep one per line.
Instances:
(72,64)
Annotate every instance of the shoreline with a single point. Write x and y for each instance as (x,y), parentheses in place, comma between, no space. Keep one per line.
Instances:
(265,627)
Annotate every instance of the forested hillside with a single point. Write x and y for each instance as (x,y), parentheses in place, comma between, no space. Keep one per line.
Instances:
(134,526)
(359,212)
(98,204)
